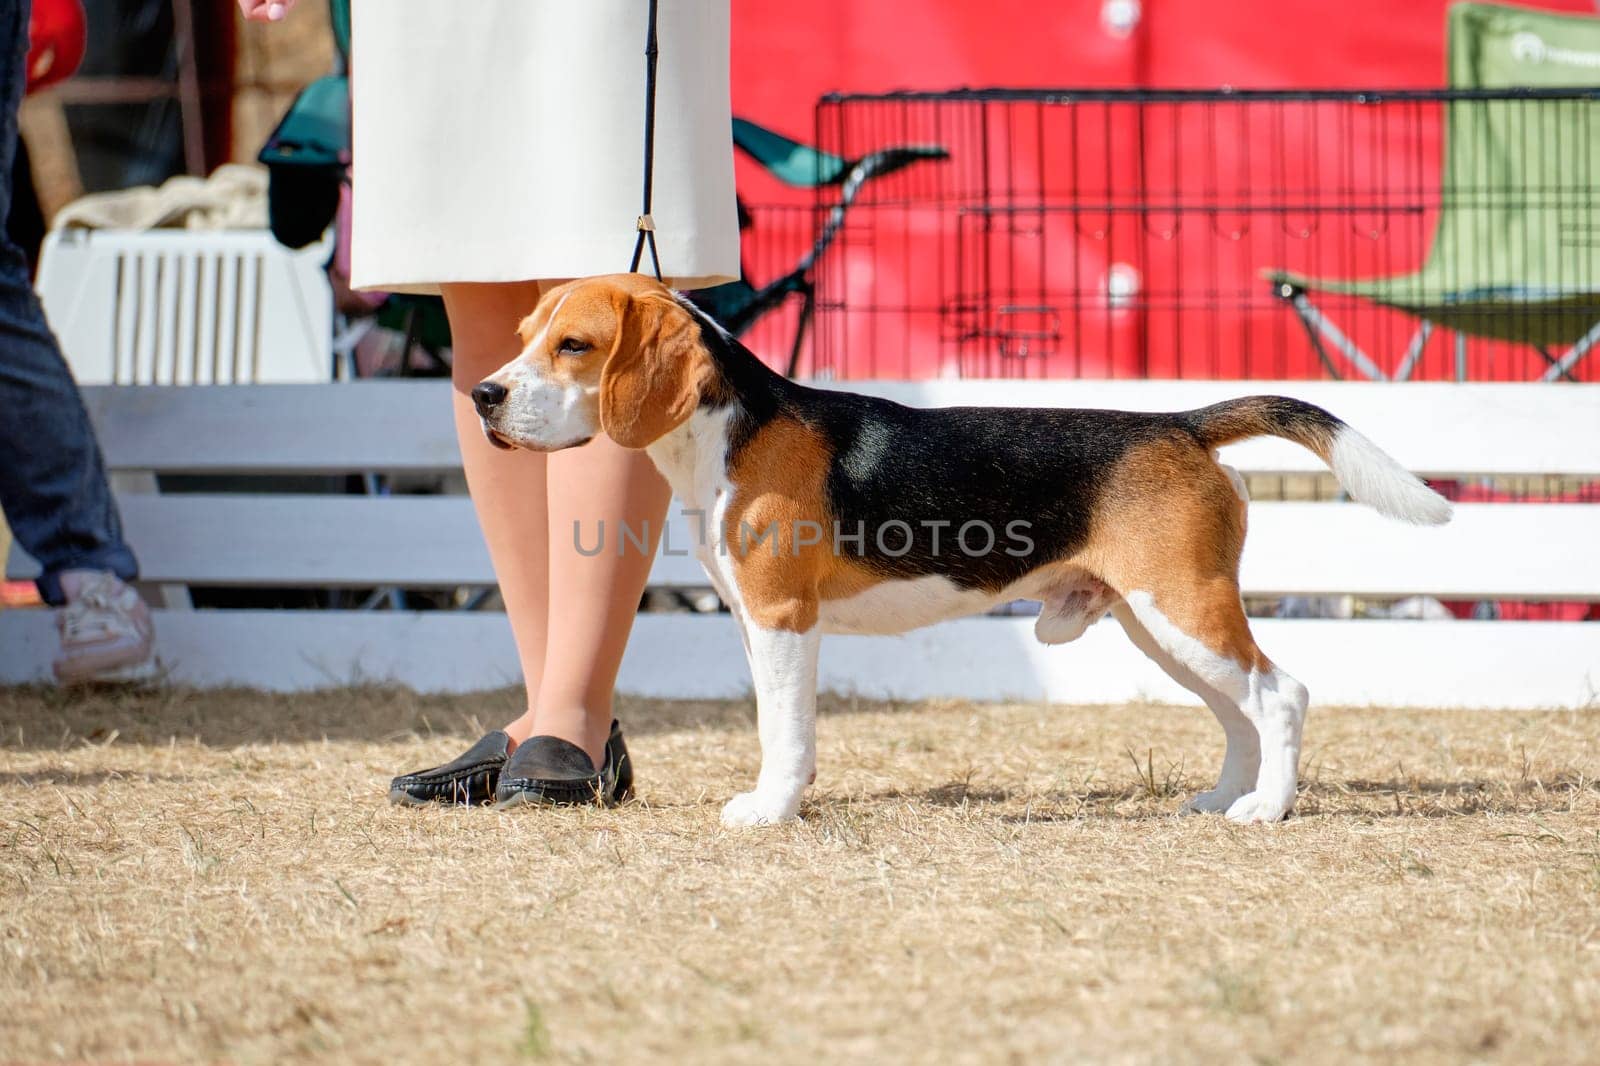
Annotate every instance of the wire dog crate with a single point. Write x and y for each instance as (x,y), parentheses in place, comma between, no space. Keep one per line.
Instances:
(1422,235)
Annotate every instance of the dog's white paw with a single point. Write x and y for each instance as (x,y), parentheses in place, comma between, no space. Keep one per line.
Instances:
(1258,807)
(749,809)
(1215,801)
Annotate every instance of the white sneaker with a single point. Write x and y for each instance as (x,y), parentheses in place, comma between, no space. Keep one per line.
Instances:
(106,632)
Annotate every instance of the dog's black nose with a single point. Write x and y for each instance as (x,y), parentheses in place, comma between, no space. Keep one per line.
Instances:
(486,396)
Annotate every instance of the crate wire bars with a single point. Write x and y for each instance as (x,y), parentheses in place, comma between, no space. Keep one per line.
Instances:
(1408,235)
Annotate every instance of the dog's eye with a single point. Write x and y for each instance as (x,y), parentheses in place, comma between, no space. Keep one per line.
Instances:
(572,346)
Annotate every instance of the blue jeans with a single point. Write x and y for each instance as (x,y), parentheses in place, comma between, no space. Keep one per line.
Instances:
(52,478)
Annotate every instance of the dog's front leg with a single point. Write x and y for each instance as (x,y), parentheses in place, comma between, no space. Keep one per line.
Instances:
(783,665)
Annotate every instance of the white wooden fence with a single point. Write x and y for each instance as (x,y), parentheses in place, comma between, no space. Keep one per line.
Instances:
(1498,550)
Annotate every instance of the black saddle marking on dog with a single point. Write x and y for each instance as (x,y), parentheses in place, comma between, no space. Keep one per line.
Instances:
(897,467)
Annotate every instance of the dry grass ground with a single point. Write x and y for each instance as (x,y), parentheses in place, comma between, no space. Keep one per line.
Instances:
(216,876)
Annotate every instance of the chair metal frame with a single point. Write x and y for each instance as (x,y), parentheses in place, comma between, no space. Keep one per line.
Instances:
(740,304)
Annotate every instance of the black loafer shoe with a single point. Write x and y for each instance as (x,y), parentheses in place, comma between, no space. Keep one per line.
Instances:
(552,772)
(467,780)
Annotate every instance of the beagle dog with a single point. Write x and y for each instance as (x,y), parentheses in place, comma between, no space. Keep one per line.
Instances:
(831,512)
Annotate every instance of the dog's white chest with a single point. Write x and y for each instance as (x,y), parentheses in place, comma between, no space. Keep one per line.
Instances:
(693,460)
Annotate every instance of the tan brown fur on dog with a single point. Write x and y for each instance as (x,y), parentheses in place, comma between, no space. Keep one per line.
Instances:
(780,477)
(1172,525)
(656,374)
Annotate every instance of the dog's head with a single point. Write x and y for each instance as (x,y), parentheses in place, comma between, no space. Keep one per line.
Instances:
(617,354)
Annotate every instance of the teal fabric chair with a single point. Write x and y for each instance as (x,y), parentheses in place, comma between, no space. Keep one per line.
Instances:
(309,151)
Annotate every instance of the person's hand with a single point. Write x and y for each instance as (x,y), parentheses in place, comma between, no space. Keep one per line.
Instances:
(265,10)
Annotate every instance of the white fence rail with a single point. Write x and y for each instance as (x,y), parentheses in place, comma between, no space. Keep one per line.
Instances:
(1492,550)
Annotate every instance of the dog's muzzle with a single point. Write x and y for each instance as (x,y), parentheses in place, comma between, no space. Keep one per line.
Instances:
(487,396)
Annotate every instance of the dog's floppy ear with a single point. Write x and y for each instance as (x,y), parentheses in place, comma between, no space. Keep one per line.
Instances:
(525,328)
(653,378)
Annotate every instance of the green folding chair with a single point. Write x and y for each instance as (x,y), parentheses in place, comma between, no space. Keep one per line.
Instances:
(1516,252)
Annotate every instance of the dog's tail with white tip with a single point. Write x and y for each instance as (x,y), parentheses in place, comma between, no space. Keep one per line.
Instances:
(1367,473)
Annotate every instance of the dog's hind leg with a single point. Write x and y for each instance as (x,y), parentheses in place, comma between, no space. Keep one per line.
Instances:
(783,665)
(1242,760)
(1171,546)
(1202,626)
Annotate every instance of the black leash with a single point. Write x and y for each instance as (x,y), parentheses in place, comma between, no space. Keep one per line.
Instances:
(647,225)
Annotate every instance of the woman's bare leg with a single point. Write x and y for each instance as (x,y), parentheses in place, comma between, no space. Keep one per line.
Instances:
(570,613)
(508,488)
(593,598)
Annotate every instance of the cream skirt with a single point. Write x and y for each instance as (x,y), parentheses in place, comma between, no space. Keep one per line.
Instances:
(503,140)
